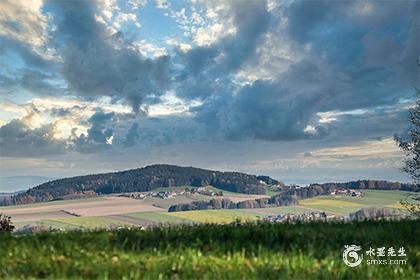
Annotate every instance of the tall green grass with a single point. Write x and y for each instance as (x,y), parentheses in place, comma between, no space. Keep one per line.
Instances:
(234,251)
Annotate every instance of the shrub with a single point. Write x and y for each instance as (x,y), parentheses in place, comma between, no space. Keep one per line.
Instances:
(6,224)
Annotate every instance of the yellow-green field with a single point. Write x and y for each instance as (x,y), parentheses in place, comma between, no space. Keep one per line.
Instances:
(343,205)
(213,216)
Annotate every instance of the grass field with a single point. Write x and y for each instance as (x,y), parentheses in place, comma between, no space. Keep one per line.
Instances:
(247,251)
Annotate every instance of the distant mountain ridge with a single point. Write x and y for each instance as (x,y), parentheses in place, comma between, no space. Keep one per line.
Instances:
(12,184)
(144,179)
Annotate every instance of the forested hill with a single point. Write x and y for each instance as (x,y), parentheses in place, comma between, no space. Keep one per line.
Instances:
(144,179)
(372,184)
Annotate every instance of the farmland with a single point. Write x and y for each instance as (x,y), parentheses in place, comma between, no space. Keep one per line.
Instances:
(114,211)
(251,251)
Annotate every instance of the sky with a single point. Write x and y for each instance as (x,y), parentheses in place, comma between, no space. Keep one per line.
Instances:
(303,91)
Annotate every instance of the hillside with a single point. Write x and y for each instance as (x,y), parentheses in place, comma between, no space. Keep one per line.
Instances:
(143,179)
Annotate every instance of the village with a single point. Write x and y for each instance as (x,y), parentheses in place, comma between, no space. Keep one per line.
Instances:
(348,192)
(305,217)
(173,193)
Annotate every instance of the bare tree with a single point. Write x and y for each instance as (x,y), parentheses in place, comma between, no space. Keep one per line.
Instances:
(411,146)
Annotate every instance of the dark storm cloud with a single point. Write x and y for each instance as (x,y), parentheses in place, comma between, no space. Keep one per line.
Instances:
(98,64)
(375,124)
(132,135)
(31,80)
(251,20)
(208,70)
(277,109)
(163,131)
(341,72)
(355,61)
(98,135)
(351,55)
(359,37)
(18,140)
(36,75)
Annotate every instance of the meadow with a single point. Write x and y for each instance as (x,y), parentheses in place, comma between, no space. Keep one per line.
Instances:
(209,251)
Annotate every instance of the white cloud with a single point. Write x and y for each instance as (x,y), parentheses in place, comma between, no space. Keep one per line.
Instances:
(137,4)
(185,47)
(162,4)
(206,23)
(207,36)
(176,43)
(148,49)
(40,111)
(332,116)
(24,21)
(113,17)
(170,105)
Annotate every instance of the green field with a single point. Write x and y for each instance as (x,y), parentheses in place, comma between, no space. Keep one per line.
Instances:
(209,251)
(373,197)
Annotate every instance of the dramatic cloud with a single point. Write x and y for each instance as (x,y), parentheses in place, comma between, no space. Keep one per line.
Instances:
(331,75)
(16,139)
(24,22)
(116,77)
(98,64)
(99,135)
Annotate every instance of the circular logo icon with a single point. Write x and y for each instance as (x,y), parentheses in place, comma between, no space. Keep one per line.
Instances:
(351,257)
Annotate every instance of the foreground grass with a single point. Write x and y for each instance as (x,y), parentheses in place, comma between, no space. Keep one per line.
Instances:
(233,251)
